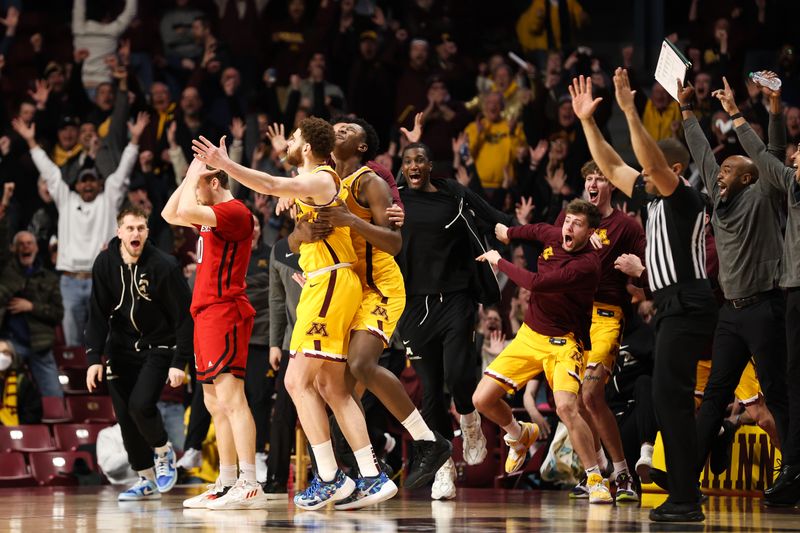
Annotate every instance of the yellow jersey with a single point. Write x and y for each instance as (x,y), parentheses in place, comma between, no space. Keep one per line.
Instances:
(337,247)
(375,268)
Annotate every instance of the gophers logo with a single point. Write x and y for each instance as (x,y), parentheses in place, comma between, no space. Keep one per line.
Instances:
(547,253)
(142,286)
(603,234)
(381,312)
(317,329)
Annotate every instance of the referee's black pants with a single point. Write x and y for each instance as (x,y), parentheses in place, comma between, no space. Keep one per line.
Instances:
(135,383)
(637,424)
(755,331)
(438,331)
(685,319)
(791,445)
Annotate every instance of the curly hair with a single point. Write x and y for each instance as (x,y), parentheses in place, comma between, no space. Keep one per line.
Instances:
(319,134)
(370,136)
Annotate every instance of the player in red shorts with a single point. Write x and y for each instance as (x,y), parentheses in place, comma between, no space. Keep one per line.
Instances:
(223,321)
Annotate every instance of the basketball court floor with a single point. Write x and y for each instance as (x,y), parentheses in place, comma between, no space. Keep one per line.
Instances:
(77,509)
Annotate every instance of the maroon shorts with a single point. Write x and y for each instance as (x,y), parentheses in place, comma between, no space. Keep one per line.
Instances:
(221,337)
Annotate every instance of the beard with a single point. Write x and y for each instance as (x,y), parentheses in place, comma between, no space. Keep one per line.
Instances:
(295,157)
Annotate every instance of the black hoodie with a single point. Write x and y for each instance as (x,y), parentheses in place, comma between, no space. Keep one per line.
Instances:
(139,307)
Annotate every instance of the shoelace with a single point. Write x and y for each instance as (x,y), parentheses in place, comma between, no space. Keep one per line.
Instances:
(162,466)
(314,487)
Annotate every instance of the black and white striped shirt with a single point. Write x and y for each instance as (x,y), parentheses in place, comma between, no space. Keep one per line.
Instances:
(675,230)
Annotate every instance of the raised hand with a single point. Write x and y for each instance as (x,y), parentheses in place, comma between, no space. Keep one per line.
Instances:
(11,20)
(524,209)
(137,128)
(685,94)
(556,179)
(283,204)
(40,93)
(214,156)
(277,137)
(622,89)
(171,131)
(28,133)
(538,153)
(5,145)
(766,91)
(726,98)
(80,55)
(415,134)
(497,342)
(237,128)
(582,103)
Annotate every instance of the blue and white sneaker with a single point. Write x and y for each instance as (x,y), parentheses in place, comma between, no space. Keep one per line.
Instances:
(369,491)
(144,489)
(166,470)
(321,492)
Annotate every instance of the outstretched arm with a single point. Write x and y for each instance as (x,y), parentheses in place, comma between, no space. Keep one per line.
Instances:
(611,164)
(698,143)
(170,211)
(188,208)
(653,162)
(318,187)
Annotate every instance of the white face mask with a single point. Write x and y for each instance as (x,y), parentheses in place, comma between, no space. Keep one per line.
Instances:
(5,361)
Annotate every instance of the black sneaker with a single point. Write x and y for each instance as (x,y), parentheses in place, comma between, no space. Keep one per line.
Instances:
(275,490)
(720,459)
(429,456)
(785,491)
(677,512)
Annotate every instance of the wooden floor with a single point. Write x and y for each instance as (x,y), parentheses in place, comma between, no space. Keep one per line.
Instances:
(483,510)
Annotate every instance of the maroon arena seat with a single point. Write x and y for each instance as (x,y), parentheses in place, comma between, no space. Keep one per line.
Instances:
(87,409)
(70,436)
(55,468)
(54,410)
(73,380)
(29,438)
(71,357)
(13,470)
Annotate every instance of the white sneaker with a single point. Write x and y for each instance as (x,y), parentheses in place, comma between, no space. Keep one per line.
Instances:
(643,467)
(243,495)
(391,442)
(213,491)
(444,487)
(261,467)
(474,443)
(191,459)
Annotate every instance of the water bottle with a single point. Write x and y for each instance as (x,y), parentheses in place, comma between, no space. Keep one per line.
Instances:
(770,83)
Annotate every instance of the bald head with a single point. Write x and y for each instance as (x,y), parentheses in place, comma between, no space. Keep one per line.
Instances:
(736,173)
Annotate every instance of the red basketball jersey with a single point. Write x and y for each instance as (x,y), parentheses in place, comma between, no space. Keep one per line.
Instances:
(223,255)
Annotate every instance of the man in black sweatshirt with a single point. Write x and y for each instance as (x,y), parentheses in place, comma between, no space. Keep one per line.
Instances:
(139,318)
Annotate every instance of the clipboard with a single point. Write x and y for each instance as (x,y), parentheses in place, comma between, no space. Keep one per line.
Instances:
(672,66)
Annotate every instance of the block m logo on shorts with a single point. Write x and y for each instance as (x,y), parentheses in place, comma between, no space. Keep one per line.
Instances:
(381,312)
(317,329)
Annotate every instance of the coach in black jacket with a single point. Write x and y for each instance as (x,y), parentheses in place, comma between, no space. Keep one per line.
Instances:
(139,318)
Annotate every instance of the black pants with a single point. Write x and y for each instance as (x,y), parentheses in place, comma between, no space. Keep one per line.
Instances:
(686,317)
(791,447)
(284,421)
(258,389)
(755,331)
(135,383)
(637,424)
(438,332)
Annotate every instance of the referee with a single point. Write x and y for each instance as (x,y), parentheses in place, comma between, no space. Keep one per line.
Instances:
(675,267)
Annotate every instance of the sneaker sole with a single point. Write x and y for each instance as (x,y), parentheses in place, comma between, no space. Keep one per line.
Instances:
(627,498)
(277,495)
(601,501)
(425,477)
(349,486)
(448,496)
(253,503)
(196,505)
(388,490)
(154,496)
(582,496)
(643,471)
(684,517)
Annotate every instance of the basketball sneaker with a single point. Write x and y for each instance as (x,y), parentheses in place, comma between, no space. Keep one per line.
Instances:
(166,470)
(321,492)
(212,492)
(580,491)
(518,449)
(444,487)
(644,465)
(368,491)
(626,491)
(474,442)
(275,490)
(144,489)
(261,467)
(429,456)
(243,495)
(191,459)
(598,489)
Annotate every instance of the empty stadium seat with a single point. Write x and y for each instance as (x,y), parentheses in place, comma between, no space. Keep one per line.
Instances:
(28,438)
(13,470)
(87,409)
(55,468)
(71,436)
(71,357)
(73,380)
(54,410)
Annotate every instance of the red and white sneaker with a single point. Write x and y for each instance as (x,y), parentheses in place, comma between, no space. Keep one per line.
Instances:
(243,495)
(213,491)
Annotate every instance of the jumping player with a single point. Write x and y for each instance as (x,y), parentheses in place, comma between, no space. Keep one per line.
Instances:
(328,303)
(223,319)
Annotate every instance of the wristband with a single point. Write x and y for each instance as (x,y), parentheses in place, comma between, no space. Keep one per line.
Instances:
(687,107)
(736,115)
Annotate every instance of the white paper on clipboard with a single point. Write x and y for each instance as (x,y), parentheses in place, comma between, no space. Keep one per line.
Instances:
(672,66)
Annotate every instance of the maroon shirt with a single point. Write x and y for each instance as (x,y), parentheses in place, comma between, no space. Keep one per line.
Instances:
(563,289)
(621,234)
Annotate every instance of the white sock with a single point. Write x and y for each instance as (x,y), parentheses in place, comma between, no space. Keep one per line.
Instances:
(326,461)
(149,473)
(593,470)
(514,430)
(247,471)
(162,450)
(367,463)
(227,475)
(417,428)
(470,419)
(647,450)
(602,460)
(620,468)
